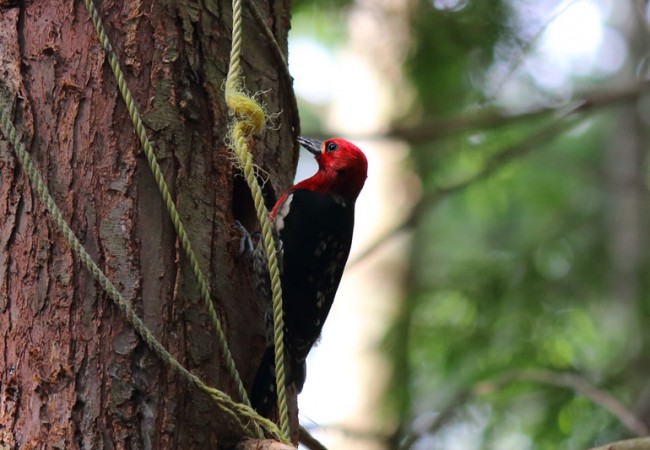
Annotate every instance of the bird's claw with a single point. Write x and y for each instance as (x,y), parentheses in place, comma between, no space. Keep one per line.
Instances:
(246,241)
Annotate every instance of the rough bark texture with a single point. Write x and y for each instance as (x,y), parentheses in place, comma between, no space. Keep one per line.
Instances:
(73,374)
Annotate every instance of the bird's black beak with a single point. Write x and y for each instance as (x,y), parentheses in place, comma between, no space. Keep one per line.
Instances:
(313,146)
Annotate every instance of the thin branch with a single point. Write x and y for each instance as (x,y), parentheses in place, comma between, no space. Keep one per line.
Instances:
(571,381)
(491,120)
(367,435)
(443,418)
(514,151)
(584,387)
(628,444)
(432,129)
(496,162)
(309,441)
(525,49)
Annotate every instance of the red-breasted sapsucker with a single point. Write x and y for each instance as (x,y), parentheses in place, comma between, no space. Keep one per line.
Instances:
(312,223)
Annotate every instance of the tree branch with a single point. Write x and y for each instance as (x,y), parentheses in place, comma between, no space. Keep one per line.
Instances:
(629,444)
(505,156)
(366,435)
(309,441)
(430,129)
(436,128)
(581,386)
(570,381)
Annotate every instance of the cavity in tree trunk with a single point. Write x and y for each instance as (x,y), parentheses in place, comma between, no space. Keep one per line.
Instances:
(73,373)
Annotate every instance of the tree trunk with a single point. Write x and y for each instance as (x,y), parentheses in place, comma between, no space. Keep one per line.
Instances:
(626,220)
(73,373)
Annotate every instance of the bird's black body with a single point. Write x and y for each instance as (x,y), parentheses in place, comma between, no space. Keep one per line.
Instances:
(312,281)
(312,261)
(312,223)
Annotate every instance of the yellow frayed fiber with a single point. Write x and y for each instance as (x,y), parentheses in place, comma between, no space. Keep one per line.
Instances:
(250,114)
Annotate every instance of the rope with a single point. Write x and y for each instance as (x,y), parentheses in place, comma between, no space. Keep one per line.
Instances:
(167,198)
(235,411)
(249,118)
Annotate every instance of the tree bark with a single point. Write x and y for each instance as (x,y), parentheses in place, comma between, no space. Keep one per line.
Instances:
(73,373)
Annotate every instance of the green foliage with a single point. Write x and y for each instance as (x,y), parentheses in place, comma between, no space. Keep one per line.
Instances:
(321,20)
(512,272)
(451,50)
(511,268)
(320,5)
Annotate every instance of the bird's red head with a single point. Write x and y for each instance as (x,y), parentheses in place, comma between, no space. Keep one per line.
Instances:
(342,167)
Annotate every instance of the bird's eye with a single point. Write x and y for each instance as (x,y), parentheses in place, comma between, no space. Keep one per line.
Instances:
(331,146)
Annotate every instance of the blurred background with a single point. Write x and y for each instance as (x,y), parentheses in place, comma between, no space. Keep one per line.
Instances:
(496,296)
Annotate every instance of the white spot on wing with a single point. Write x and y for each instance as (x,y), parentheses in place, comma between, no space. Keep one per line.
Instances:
(320,299)
(340,200)
(282,213)
(322,246)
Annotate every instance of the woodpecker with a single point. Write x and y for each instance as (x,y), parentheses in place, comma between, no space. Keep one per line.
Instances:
(312,223)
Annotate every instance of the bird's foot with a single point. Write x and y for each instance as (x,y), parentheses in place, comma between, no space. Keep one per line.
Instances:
(246,242)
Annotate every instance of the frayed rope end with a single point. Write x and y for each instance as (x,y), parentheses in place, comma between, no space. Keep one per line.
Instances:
(249,114)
